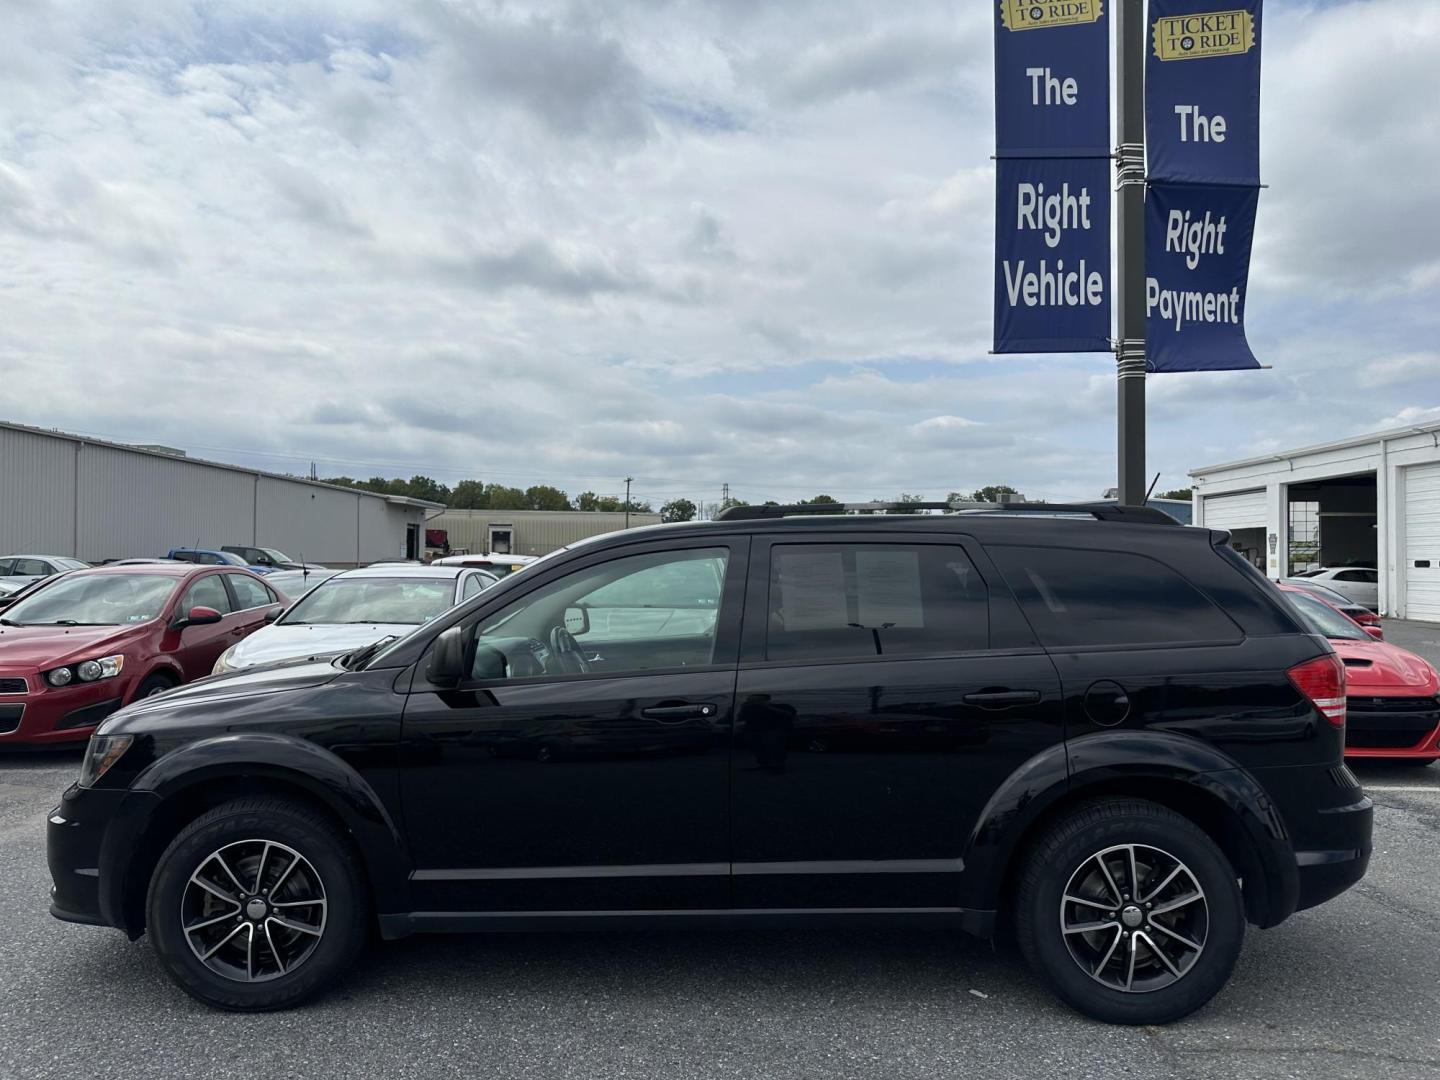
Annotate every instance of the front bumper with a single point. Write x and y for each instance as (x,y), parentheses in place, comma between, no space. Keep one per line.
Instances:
(1392,727)
(91,838)
(50,716)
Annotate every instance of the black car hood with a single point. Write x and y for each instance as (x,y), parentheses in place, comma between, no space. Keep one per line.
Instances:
(246,683)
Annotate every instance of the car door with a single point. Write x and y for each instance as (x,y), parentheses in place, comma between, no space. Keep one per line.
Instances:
(877,713)
(254,605)
(199,646)
(557,779)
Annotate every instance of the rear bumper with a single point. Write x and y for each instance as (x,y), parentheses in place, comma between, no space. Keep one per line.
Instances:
(1327,872)
(1324,845)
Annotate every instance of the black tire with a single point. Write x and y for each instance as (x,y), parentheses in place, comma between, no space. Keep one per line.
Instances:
(1070,849)
(329,859)
(152,684)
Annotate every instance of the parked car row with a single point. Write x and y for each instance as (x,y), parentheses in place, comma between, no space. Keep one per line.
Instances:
(84,642)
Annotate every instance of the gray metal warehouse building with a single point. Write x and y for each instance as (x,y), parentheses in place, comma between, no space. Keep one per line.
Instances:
(64,494)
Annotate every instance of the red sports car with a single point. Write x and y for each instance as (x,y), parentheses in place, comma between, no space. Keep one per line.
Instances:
(85,644)
(1392,697)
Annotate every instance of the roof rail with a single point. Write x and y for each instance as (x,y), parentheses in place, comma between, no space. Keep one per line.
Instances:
(1137,515)
(770,510)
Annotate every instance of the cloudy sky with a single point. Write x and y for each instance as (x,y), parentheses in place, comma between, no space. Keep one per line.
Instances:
(696,243)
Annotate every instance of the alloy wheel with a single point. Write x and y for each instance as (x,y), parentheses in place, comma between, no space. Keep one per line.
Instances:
(1134,918)
(253,911)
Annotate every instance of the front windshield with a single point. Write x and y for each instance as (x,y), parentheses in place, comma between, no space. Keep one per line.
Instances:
(407,601)
(94,600)
(1324,619)
(275,555)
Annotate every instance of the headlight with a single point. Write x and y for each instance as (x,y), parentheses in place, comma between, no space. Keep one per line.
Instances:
(107,667)
(224,664)
(101,753)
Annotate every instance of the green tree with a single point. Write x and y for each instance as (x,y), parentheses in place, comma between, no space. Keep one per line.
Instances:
(818,499)
(991,493)
(1178,493)
(678,510)
(422,487)
(501,497)
(469,495)
(545,497)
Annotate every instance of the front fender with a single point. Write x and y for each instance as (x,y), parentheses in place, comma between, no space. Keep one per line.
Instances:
(268,759)
(1148,765)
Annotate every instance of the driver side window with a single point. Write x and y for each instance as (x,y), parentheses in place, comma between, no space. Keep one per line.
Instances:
(638,613)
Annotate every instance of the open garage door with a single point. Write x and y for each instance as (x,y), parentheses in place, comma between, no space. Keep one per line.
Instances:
(1422,542)
(1243,516)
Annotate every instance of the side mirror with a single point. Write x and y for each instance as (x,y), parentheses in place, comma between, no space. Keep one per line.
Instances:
(447,659)
(273,614)
(577,620)
(1375,632)
(198,616)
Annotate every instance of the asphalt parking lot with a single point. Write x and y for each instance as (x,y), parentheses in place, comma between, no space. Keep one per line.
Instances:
(1351,989)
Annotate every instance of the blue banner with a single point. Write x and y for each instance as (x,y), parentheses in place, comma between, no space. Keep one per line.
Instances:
(1202,91)
(1197,261)
(1052,255)
(1052,79)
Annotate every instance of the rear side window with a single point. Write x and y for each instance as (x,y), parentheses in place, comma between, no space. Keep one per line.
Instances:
(1078,597)
(249,593)
(835,601)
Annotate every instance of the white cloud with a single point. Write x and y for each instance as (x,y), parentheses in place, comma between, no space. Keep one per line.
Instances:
(691,242)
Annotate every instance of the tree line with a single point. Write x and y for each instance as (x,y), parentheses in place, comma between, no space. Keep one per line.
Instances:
(478,495)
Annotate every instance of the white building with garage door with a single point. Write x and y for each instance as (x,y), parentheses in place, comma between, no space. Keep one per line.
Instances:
(1371,502)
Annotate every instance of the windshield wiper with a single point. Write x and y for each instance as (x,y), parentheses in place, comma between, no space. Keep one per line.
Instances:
(10,622)
(356,660)
(71,622)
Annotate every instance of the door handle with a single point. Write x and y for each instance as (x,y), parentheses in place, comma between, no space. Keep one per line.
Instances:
(1002,699)
(672,713)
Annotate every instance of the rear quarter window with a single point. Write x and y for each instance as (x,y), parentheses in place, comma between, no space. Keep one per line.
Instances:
(1078,597)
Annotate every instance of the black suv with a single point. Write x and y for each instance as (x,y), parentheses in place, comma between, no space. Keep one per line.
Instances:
(1092,727)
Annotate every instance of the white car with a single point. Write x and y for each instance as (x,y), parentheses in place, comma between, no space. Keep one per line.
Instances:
(355,608)
(1359,583)
(499,565)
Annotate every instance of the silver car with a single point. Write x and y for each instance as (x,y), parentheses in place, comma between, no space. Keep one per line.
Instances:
(355,608)
(21,570)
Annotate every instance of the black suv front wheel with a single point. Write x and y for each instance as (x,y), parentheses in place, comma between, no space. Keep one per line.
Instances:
(1130,912)
(257,904)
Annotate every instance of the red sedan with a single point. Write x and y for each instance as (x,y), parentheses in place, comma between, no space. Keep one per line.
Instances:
(1392,697)
(86,644)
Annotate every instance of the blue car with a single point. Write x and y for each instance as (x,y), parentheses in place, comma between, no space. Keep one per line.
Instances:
(206,557)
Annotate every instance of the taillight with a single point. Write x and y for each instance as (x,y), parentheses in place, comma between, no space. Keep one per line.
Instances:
(1322,681)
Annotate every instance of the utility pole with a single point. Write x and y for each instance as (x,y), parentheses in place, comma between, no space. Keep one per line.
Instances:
(627,500)
(1129,16)
(724,496)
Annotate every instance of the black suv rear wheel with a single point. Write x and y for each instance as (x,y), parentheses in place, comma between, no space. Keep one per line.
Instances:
(1130,912)
(257,904)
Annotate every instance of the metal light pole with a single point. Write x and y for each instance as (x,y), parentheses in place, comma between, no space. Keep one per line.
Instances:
(1130,37)
(627,500)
